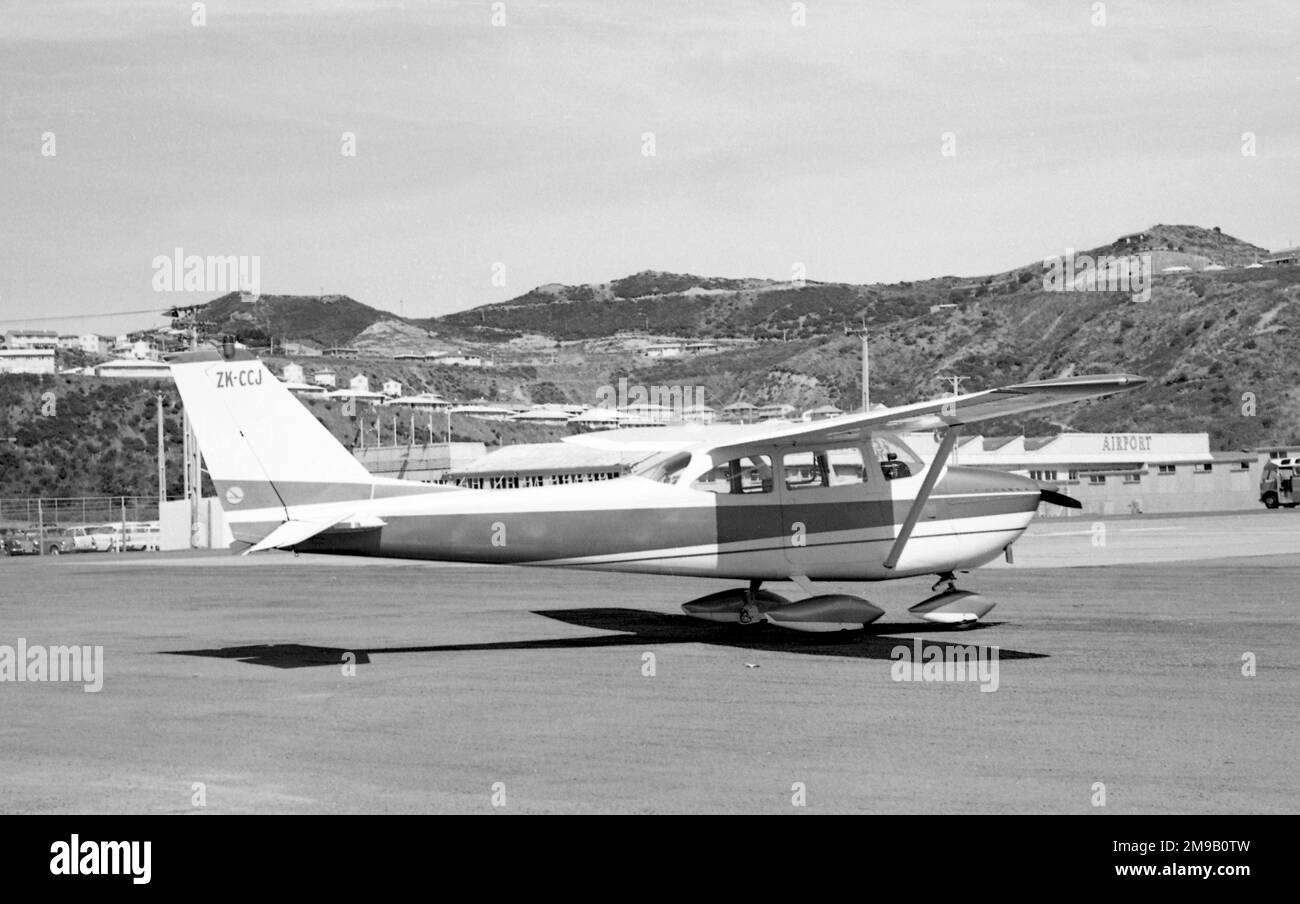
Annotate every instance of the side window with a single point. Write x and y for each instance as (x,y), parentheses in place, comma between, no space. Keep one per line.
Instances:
(828,468)
(846,467)
(748,474)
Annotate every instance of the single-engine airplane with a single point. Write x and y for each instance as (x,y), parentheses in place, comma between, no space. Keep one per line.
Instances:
(841,499)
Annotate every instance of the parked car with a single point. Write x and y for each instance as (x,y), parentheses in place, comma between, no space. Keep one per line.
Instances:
(20,543)
(106,537)
(143,535)
(82,539)
(57,541)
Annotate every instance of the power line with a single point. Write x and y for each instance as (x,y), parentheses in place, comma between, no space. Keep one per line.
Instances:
(86,316)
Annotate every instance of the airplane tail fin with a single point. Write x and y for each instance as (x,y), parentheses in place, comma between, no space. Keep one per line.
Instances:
(270,460)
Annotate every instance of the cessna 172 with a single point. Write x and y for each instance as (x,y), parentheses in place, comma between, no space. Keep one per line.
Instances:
(842,499)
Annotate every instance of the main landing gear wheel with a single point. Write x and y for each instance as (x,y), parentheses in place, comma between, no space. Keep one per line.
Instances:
(736,606)
(818,614)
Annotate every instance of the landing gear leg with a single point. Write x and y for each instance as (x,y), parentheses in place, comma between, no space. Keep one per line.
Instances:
(946,578)
(749,612)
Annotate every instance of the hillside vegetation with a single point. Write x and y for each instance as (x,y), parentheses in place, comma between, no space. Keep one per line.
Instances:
(99,437)
(1219,345)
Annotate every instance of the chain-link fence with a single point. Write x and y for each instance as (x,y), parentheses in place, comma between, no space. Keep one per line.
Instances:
(51,526)
(76,510)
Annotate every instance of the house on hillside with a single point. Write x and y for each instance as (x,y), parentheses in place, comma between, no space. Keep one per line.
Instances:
(341,351)
(392,388)
(26,361)
(144,351)
(31,339)
(292,373)
(774,412)
(301,348)
(93,344)
(325,377)
(699,414)
(356,395)
(741,412)
(821,412)
(1287,257)
(359,383)
(134,369)
(424,402)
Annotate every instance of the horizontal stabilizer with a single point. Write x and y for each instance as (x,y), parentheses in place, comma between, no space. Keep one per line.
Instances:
(291,533)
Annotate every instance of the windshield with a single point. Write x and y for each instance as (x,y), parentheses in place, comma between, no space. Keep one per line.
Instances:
(886,444)
(665,467)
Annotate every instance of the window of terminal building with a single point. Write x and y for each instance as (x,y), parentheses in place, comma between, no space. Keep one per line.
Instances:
(1133,478)
(1074,475)
(1097,479)
(1205,468)
(1167,469)
(1043,475)
(1243,466)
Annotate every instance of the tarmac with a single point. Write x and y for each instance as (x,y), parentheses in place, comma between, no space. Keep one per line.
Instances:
(1150,667)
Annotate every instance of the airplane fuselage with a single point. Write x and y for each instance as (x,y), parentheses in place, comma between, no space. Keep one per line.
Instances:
(639,525)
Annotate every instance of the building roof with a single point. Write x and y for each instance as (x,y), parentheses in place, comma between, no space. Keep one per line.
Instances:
(550,458)
(133,364)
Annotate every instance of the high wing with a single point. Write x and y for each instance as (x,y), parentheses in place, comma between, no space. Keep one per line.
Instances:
(939,413)
(948,414)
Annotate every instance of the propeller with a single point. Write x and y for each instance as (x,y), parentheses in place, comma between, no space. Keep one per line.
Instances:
(1060,499)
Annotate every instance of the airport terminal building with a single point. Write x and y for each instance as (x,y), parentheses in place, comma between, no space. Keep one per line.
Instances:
(1118,474)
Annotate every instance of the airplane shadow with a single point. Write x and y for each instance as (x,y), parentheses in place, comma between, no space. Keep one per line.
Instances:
(638,628)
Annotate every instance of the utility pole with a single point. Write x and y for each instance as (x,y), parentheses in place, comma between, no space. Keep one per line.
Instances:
(956,382)
(162,458)
(866,363)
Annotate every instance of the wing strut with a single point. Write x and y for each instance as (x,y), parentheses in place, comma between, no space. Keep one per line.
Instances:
(923,495)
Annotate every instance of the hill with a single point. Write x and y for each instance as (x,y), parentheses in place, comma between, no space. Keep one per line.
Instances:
(686,305)
(330,320)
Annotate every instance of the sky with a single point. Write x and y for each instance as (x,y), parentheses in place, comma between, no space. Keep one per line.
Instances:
(501,146)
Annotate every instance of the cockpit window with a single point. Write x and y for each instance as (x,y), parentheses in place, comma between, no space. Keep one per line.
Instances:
(829,468)
(748,474)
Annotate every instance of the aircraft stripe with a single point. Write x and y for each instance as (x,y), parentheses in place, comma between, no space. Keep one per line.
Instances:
(681,553)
